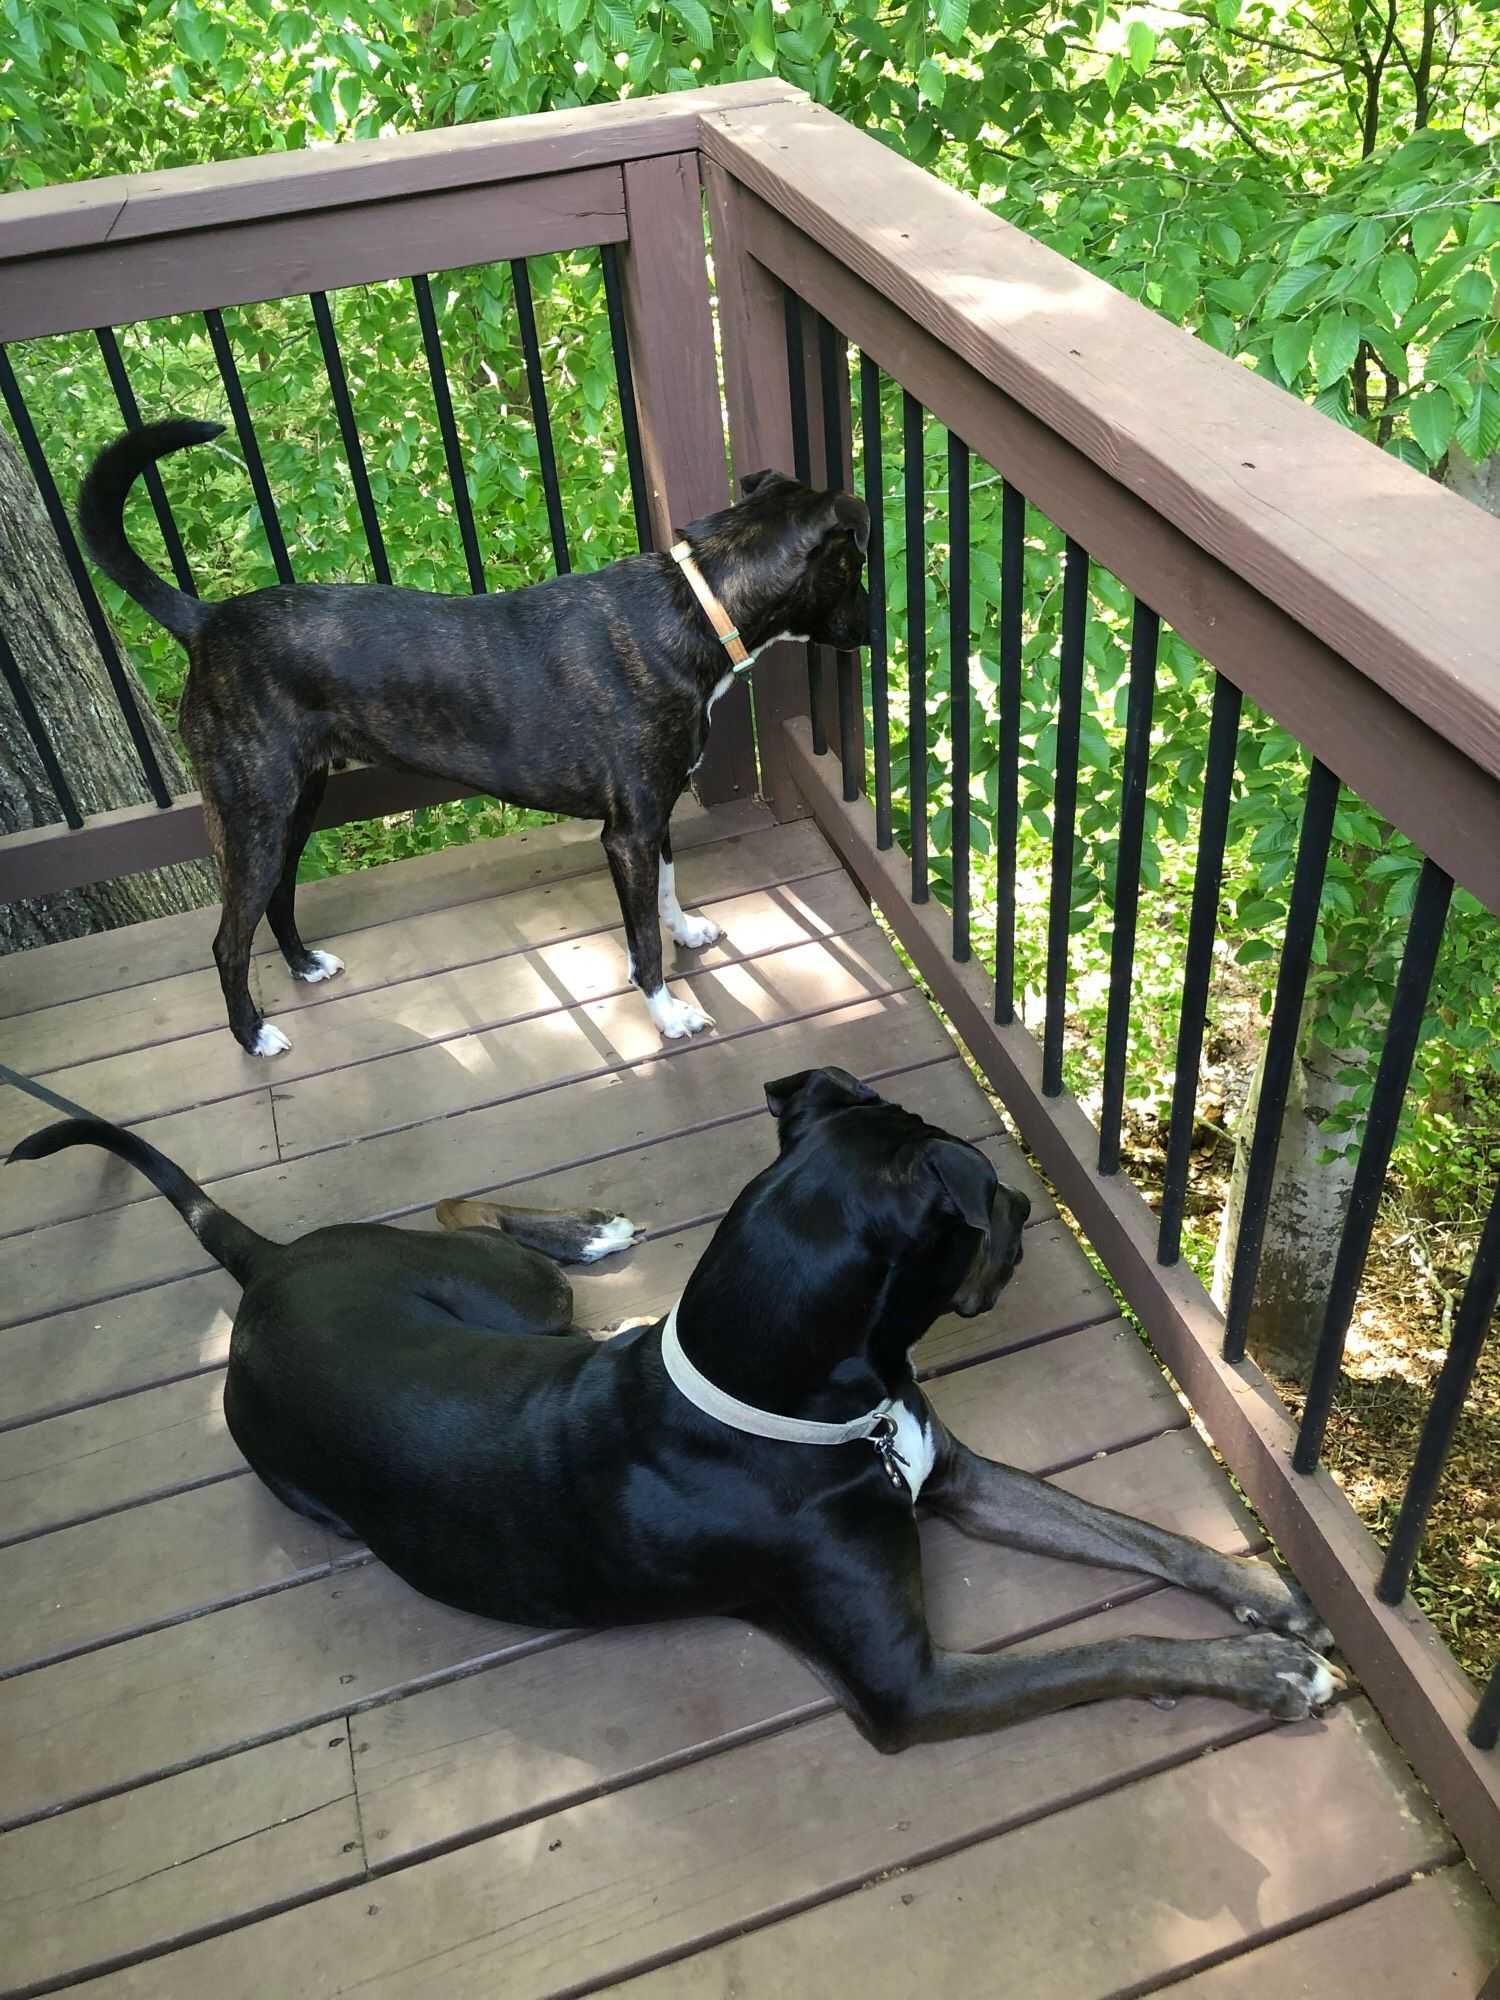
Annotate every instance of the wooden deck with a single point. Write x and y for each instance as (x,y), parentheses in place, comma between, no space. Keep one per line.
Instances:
(237,1759)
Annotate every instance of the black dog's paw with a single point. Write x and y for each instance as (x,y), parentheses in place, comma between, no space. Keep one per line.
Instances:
(1264,1596)
(611,1233)
(1277,1675)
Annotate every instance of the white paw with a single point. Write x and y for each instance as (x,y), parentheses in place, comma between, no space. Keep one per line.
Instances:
(694,932)
(324,966)
(270,1041)
(1318,1681)
(616,1234)
(676,1018)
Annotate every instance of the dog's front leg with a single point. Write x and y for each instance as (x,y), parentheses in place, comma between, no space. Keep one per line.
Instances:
(1000,1504)
(858,1618)
(693,933)
(635,864)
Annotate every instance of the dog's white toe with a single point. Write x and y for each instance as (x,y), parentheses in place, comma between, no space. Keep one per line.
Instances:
(676,1018)
(616,1234)
(270,1041)
(324,966)
(693,933)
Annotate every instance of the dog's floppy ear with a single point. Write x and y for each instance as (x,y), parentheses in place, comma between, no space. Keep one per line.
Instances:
(841,512)
(811,1092)
(968,1180)
(753,481)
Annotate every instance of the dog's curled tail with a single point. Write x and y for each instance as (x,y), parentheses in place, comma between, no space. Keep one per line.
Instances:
(101,518)
(231,1242)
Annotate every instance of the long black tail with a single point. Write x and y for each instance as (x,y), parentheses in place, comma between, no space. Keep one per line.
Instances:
(233,1243)
(101,518)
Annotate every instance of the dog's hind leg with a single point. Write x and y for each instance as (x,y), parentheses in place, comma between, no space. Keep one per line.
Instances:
(692,932)
(302,962)
(567,1235)
(247,820)
(635,863)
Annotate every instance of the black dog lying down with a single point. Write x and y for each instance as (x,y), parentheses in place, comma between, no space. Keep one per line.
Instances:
(428,1395)
(587,695)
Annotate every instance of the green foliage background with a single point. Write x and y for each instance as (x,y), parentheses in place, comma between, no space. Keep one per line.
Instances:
(1309,185)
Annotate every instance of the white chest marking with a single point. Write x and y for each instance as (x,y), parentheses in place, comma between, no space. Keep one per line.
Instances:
(914,1445)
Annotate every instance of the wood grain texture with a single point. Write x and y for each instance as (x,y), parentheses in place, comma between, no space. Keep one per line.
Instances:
(531,1736)
(1422,1692)
(108,960)
(152,1866)
(664,278)
(753,344)
(489,152)
(319,249)
(399,1173)
(128,1449)
(1393,572)
(1199,1858)
(1422,779)
(518,993)
(597,1887)
(175,1327)
(576,899)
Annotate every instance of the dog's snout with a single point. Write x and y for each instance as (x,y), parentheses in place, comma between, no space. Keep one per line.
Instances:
(1020,1206)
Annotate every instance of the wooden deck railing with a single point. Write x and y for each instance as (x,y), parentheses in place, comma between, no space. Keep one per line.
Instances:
(1352,601)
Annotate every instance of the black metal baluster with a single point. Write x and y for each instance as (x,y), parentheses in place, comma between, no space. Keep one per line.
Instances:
(1145,637)
(36,729)
(796,375)
(119,381)
(1281,1049)
(913,476)
(958,684)
(255,465)
(630,423)
(1408,1005)
(537,390)
(880,693)
(1484,1730)
(1470,1325)
(463,507)
(72,556)
(834,388)
(1008,750)
(1198,963)
(1075,612)
(338,383)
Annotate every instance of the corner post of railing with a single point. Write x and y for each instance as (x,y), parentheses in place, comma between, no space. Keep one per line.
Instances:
(664,279)
(752,333)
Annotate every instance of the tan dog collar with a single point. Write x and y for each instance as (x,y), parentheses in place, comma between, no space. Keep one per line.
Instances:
(728,635)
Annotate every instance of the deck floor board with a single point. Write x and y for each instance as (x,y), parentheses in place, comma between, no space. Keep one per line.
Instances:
(237,1756)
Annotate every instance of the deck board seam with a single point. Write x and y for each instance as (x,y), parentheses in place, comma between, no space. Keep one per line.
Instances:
(655,1234)
(414,1208)
(332,995)
(1246,1730)
(363,1558)
(620,1067)
(1338,1906)
(998,1351)
(684,839)
(1134,1591)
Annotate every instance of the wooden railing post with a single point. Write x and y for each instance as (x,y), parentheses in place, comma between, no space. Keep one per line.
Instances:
(752,331)
(664,273)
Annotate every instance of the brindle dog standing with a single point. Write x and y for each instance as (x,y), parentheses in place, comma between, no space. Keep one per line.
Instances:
(587,695)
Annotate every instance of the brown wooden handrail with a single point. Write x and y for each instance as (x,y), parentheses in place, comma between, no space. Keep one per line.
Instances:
(1354,600)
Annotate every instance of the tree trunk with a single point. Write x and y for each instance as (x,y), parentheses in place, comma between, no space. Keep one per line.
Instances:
(43,620)
(1309,1200)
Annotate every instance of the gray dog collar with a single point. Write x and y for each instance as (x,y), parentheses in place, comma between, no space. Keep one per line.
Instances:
(878,1426)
